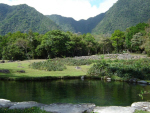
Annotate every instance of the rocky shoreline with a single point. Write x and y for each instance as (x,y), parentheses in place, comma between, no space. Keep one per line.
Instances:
(75,108)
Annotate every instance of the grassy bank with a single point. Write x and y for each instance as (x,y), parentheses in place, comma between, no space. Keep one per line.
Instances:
(30,73)
(75,68)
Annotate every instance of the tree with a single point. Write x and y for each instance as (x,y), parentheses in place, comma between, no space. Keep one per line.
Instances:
(55,43)
(90,43)
(132,31)
(146,40)
(106,45)
(136,41)
(23,43)
(117,39)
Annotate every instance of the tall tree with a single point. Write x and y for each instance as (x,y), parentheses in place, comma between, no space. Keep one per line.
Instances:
(117,39)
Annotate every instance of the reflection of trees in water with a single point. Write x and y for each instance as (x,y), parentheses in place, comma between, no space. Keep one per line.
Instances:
(72,91)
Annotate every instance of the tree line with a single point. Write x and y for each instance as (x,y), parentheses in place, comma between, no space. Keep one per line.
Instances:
(56,43)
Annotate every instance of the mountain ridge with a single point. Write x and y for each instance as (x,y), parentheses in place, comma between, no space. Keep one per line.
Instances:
(22,18)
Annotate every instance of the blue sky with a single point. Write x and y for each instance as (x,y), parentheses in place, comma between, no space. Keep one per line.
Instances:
(77,9)
(96,2)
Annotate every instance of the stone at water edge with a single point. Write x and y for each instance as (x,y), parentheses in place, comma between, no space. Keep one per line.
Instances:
(142,82)
(133,80)
(3,102)
(69,108)
(141,106)
(24,105)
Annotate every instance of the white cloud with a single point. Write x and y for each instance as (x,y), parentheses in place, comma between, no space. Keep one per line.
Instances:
(77,9)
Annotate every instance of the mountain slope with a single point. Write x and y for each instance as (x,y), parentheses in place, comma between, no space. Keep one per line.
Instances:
(83,26)
(22,18)
(123,14)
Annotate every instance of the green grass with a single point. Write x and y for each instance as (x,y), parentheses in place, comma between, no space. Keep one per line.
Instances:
(29,110)
(32,73)
(140,111)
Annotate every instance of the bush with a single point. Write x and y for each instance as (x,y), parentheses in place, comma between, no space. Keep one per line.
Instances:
(99,69)
(48,65)
(59,64)
(123,68)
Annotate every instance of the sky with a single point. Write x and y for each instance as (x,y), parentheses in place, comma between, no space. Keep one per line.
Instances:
(77,9)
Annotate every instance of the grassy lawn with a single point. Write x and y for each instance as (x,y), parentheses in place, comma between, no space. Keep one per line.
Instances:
(24,65)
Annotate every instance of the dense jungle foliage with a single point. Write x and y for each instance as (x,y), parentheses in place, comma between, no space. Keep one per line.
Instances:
(124,14)
(56,43)
(22,18)
(82,26)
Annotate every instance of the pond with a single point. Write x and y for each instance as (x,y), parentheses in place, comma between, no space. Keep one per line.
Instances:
(73,91)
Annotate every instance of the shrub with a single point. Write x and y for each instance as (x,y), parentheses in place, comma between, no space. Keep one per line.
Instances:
(48,65)
(99,69)
(123,68)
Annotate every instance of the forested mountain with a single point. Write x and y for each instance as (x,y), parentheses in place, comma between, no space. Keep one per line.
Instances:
(22,18)
(83,26)
(124,14)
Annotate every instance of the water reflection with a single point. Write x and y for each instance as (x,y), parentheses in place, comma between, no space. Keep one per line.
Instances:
(73,91)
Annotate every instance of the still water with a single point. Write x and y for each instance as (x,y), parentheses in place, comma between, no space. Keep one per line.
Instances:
(73,91)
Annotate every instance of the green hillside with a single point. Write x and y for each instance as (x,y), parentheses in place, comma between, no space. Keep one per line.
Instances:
(83,26)
(22,18)
(123,14)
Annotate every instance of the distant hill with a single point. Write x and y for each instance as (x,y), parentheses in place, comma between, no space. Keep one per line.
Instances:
(83,26)
(22,18)
(124,14)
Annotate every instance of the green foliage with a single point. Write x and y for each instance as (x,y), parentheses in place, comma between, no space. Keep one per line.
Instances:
(82,26)
(75,62)
(22,18)
(117,39)
(123,68)
(59,64)
(132,31)
(28,110)
(136,41)
(124,14)
(99,69)
(48,65)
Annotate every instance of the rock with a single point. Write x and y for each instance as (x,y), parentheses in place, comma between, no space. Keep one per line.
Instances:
(124,56)
(82,77)
(109,79)
(114,109)
(69,108)
(24,105)
(10,61)
(4,71)
(78,67)
(142,82)
(21,71)
(2,61)
(3,102)
(133,80)
(141,106)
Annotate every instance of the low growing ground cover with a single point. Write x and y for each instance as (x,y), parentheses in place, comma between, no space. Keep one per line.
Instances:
(35,73)
(59,64)
(29,110)
(124,69)
(59,67)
